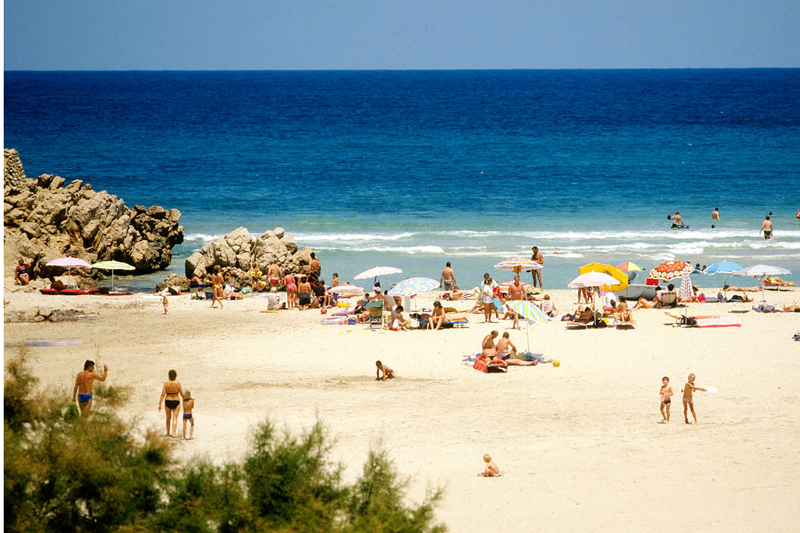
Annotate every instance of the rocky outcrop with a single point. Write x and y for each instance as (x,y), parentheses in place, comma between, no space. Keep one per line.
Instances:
(47,220)
(238,252)
(36,314)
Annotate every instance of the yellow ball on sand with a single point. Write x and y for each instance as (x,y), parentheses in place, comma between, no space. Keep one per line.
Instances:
(556,363)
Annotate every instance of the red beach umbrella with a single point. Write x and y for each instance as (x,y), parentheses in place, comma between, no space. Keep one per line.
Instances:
(671,270)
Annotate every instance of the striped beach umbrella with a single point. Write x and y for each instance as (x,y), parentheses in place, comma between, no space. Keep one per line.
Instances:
(517,265)
(347,290)
(629,266)
(686,292)
(69,263)
(112,266)
(531,313)
(413,286)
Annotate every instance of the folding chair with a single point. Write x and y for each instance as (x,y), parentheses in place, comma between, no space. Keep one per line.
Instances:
(375,309)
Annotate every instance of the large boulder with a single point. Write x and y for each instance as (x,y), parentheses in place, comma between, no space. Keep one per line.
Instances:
(237,253)
(74,220)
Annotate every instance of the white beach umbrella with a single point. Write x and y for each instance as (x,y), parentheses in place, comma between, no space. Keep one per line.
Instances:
(413,286)
(377,272)
(592,279)
(347,289)
(758,271)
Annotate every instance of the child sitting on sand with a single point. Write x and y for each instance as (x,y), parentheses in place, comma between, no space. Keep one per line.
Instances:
(387,372)
(491,470)
(188,405)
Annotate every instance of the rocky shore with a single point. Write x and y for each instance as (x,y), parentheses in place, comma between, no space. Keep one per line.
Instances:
(45,220)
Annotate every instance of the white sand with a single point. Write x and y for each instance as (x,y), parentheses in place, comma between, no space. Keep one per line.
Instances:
(580,446)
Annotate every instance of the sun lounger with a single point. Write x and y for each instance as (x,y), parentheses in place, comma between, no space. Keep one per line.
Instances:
(571,324)
(624,323)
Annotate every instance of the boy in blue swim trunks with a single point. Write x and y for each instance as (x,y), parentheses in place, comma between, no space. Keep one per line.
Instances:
(83,386)
(188,405)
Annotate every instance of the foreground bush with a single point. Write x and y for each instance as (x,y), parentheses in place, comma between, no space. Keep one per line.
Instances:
(99,475)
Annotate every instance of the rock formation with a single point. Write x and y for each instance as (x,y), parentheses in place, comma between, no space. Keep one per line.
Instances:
(45,220)
(238,252)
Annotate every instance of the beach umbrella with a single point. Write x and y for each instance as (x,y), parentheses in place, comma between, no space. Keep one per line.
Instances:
(69,263)
(531,313)
(377,272)
(620,276)
(723,267)
(758,271)
(112,266)
(686,292)
(413,286)
(518,264)
(671,269)
(628,266)
(347,289)
(592,279)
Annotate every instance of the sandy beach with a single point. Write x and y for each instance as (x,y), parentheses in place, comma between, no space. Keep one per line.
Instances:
(580,446)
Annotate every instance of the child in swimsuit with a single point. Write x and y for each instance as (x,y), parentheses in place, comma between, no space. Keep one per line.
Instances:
(666,401)
(387,372)
(491,470)
(688,401)
(188,405)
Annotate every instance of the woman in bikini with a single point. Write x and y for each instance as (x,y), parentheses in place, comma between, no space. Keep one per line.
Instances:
(291,291)
(218,283)
(172,405)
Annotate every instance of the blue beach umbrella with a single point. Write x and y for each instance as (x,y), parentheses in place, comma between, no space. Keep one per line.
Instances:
(723,267)
(531,313)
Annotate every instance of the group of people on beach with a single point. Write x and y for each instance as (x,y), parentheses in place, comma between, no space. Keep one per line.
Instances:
(666,394)
(172,395)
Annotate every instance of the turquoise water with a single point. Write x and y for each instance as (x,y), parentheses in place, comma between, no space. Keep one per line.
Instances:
(413,169)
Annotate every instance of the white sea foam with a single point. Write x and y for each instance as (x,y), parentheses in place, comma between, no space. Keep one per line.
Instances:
(347,237)
(412,250)
(204,237)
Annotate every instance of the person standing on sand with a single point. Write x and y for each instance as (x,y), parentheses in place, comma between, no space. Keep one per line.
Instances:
(274,274)
(537,272)
(688,401)
(21,274)
(666,399)
(715,214)
(448,278)
(314,269)
(487,296)
(172,405)
(766,227)
(188,405)
(83,386)
(217,285)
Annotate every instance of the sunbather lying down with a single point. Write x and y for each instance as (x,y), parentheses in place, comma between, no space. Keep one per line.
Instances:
(791,308)
(772,280)
(741,289)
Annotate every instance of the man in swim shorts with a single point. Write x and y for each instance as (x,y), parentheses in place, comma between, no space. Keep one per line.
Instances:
(766,227)
(448,278)
(274,274)
(83,386)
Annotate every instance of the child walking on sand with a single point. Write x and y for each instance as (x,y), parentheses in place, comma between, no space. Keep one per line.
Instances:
(687,398)
(666,399)
(387,372)
(188,405)
(491,470)
(165,300)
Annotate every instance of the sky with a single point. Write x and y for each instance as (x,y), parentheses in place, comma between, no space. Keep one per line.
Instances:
(399,34)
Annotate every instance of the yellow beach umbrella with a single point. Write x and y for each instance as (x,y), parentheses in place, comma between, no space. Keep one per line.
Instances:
(112,266)
(612,271)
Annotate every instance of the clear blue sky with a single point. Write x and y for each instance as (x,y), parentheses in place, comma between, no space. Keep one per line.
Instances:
(399,34)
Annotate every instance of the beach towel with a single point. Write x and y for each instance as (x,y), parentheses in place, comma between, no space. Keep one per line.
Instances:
(481,365)
(718,323)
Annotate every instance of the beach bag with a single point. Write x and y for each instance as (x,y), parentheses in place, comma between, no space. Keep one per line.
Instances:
(72,412)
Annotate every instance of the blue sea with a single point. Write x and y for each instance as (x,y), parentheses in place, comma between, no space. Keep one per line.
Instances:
(415,168)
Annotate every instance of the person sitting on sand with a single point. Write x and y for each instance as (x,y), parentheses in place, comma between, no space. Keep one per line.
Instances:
(491,470)
(548,307)
(647,304)
(774,280)
(438,316)
(585,315)
(387,372)
(21,273)
(56,284)
(274,300)
(507,353)
(398,322)
(188,405)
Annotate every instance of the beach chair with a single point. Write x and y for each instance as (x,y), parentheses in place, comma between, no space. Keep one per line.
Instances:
(630,323)
(375,309)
